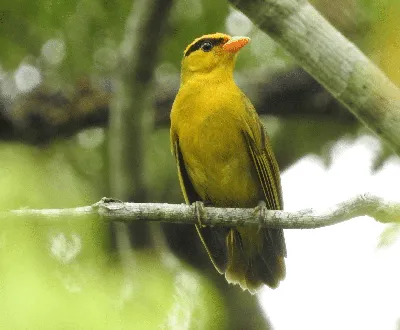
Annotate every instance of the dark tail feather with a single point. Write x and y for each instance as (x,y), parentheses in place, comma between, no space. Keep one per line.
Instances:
(272,254)
(266,266)
(237,268)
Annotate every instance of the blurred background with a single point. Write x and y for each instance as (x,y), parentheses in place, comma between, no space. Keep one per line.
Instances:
(85,93)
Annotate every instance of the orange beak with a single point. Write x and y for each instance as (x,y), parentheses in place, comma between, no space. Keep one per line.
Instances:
(235,43)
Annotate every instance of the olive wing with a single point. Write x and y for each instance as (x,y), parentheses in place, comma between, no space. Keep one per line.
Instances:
(268,172)
(213,238)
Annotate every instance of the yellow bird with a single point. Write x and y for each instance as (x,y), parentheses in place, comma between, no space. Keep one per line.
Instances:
(224,159)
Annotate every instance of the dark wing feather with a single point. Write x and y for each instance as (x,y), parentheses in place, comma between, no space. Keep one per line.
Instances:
(189,193)
(269,159)
(267,170)
(213,238)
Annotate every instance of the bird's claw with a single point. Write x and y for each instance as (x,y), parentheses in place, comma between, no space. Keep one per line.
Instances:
(260,209)
(200,211)
(110,200)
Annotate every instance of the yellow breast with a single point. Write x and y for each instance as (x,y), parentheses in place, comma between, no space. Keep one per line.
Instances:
(209,123)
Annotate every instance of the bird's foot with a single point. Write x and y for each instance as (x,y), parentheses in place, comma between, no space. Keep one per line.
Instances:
(110,200)
(260,209)
(200,212)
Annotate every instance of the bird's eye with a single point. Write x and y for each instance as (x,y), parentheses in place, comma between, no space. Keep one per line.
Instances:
(206,46)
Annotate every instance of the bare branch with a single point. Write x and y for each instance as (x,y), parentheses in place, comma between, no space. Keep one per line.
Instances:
(333,60)
(365,204)
(88,106)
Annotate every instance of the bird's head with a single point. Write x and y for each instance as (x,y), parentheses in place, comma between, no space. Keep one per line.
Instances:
(211,54)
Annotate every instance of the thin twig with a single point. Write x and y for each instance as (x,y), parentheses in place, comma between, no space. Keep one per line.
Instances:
(382,210)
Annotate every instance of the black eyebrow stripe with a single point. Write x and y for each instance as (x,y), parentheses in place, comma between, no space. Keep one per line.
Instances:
(197,45)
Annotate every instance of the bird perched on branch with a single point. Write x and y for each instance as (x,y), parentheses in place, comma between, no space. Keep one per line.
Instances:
(224,159)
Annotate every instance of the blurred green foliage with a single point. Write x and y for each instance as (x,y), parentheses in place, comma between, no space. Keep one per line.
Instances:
(82,25)
(62,273)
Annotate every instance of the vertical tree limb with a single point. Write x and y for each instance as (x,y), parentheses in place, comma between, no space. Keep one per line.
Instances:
(130,116)
(130,119)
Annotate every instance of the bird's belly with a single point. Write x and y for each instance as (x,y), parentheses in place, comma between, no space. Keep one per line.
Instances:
(220,166)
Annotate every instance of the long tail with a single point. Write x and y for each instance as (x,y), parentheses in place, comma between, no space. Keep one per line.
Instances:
(255,257)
